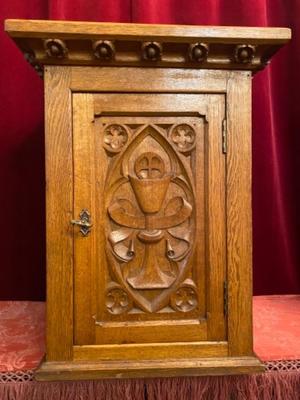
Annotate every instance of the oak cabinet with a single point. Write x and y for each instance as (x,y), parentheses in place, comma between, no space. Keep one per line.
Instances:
(148,171)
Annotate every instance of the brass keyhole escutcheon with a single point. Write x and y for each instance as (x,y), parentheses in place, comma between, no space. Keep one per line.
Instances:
(84,222)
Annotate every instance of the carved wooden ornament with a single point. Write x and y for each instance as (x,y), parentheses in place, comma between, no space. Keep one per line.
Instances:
(150,220)
(104,50)
(244,53)
(161,46)
(55,48)
(151,51)
(198,52)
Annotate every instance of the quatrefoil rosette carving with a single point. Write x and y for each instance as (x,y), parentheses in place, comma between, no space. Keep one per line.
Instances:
(184,298)
(115,138)
(150,220)
(184,138)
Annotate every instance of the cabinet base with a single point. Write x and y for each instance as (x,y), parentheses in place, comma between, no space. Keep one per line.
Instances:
(68,370)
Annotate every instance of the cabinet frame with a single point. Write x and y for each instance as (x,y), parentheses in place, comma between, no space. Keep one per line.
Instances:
(89,57)
(64,361)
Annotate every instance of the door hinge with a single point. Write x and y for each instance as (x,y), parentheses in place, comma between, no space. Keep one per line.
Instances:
(225,292)
(224,136)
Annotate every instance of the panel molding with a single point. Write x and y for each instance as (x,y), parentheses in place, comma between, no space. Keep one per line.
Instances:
(150,351)
(152,368)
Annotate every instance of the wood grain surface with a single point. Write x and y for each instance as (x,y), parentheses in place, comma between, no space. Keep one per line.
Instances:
(179,125)
(98,314)
(239,215)
(114,30)
(117,114)
(59,209)
(156,368)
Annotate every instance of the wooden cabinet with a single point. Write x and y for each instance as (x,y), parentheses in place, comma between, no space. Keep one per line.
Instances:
(148,163)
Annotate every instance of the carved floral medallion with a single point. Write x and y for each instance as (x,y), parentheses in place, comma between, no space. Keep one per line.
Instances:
(183,136)
(117,300)
(184,298)
(115,137)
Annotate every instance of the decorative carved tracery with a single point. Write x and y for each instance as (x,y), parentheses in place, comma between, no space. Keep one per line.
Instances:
(150,218)
(184,299)
(183,136)
(117,301)
(115,137)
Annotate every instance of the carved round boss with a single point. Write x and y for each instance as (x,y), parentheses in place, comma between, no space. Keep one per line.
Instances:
(244,53)
(55,48)
(198,52)
(104,50)
(151,51)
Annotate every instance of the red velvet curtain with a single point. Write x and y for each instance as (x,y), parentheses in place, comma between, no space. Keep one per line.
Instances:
(276,137)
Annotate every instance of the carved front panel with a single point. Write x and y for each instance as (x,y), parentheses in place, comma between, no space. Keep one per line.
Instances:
(150,217)
(150,261)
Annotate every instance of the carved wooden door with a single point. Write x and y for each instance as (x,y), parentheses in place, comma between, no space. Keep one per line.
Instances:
(149,176)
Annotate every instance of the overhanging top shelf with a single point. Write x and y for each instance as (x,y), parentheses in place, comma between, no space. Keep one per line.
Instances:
(180,46)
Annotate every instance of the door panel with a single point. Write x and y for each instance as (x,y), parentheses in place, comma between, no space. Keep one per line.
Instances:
(150,170)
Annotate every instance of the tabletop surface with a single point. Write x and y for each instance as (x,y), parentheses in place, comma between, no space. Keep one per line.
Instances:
(19,27)
(22,331)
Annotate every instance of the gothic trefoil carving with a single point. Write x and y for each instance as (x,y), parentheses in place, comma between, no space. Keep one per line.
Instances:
(117,300)
(150,218)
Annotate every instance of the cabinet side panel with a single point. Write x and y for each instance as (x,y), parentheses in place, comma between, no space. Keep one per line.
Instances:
(59,205)
(239,214)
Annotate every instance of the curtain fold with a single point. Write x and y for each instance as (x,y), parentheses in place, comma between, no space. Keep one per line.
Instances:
(90,10)
(276,138)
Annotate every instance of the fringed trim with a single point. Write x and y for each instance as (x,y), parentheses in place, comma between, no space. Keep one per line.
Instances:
(270,386)
(16,376)
(282,365)
(270,366)
(282,382)
(108,389)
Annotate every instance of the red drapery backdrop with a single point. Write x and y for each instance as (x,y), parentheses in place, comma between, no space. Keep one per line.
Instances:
(276,136)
